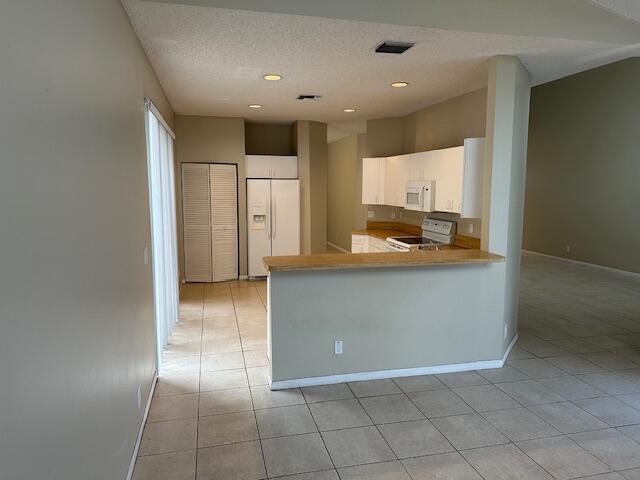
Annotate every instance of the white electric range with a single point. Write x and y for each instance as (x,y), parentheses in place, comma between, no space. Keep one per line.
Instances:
(434,233)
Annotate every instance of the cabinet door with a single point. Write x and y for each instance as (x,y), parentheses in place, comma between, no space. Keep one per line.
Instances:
(258,166)
(370,181)
(473,178)
(421,166)
(415,166)
(396,175)
(284,167)
(446,167)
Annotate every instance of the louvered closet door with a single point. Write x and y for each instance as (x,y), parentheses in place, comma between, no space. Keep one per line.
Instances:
(224,221)
(196,217)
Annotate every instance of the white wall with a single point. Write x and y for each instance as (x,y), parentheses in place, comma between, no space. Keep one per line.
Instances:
(76,321)
(504,180)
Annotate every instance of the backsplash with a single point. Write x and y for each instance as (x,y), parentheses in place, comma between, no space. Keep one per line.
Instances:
(386,213)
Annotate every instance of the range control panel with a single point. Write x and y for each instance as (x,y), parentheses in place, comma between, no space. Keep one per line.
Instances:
(438,226)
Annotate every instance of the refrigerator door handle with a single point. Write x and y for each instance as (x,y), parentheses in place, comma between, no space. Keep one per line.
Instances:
(274,219)
(269,218)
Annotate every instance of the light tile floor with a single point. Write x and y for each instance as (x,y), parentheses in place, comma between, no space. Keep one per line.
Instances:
(566,406)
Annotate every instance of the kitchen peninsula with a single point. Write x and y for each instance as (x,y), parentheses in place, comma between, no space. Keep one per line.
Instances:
(395,314)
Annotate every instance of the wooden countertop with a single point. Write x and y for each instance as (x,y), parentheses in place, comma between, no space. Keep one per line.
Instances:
(374,230)
(419,258)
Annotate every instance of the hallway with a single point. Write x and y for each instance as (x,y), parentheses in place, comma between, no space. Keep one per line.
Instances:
(567,404)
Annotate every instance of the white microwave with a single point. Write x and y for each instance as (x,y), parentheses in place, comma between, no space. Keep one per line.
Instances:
(420,196)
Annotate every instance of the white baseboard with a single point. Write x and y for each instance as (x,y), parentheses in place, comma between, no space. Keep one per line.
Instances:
(132,464)
(243,277)
(333,245)
(586,264)
(402,372)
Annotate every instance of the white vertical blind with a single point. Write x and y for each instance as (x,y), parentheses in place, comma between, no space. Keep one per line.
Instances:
(164,254)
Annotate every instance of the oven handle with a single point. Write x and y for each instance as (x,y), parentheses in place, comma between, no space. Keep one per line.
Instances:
(390,247)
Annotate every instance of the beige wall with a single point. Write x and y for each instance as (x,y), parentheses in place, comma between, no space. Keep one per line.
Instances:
(311,141)
(76,310)
(269,139)
(443,125)
(344,205)
(384,137)
(212,140)
(583,167)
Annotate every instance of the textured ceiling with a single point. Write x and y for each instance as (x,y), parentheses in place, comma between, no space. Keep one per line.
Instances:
(210,62)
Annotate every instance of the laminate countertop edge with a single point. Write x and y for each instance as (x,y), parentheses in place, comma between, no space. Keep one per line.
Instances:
(346,261)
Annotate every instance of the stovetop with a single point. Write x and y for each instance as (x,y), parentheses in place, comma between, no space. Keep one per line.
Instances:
(416,240)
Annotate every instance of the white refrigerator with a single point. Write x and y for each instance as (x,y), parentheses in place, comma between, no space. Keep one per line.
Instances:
(273,216)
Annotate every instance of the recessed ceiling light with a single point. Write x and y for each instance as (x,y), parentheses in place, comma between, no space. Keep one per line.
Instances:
(349,110)
(255,105)
(399,84)
(272,77)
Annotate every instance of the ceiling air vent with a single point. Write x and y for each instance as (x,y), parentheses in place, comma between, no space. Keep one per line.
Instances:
(309,97)
(394,47)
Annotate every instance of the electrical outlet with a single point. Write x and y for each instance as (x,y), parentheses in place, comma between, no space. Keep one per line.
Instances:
(567,249)
(146,255)
(393,215)
(471,228)
(506,331)
(139,394)
(337,348)
(371,214)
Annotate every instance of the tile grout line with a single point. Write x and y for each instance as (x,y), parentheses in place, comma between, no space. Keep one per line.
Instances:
(376,426)
(319,434)
(253,407)
(439,431)
(199,381)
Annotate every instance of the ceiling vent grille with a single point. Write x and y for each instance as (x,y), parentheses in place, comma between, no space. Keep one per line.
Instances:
(394,47)
(304,97)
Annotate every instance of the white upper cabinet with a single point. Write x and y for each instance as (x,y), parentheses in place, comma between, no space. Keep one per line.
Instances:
(284,167)
(395,180)
(373,181)
(419,166)
(446,167)
(258,166)
(457,172)
(473,178)
(271,166)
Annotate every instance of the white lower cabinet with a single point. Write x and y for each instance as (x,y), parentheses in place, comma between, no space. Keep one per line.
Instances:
(359,243)
(367,244)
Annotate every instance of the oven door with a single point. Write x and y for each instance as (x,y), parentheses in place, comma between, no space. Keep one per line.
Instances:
(414,198)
